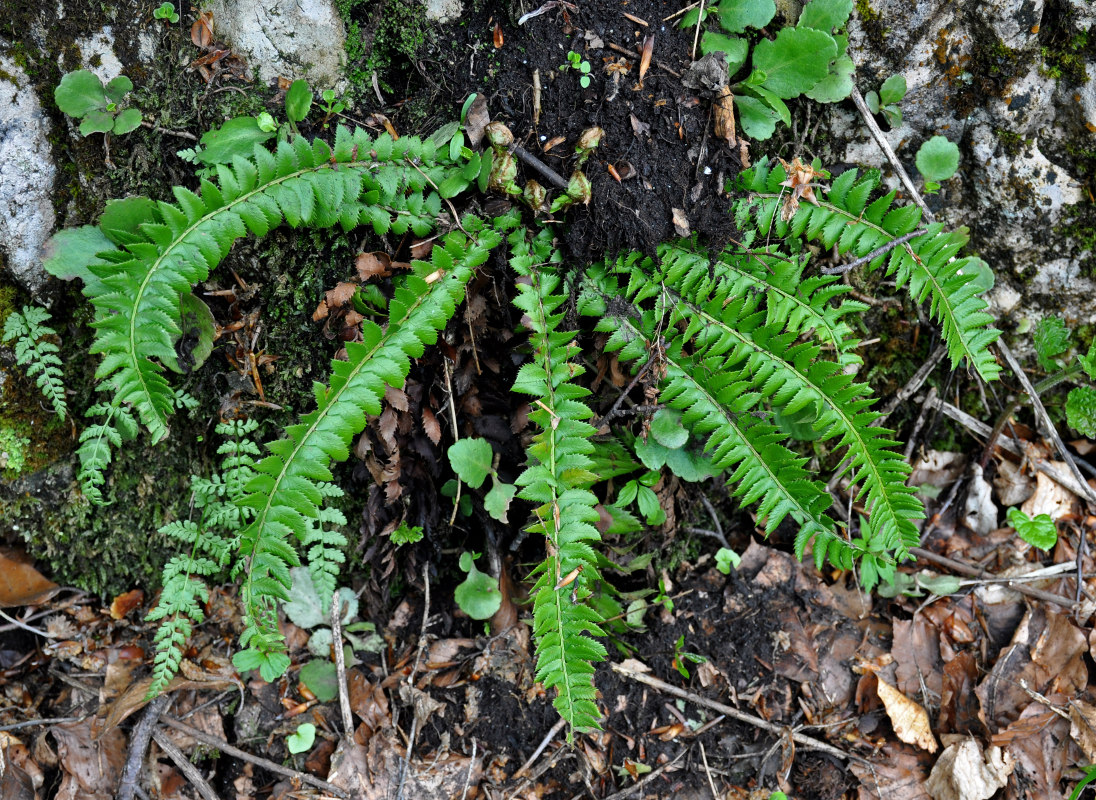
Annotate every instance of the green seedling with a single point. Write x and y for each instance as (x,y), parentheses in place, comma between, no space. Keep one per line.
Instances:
(99,108)
(681,656)
(579,65)
(330,105)
(301,740)
(1038,531)
(478,595)
(886,100)
(937,160)
(405,534)
(473,460)
(166,11)
(298,102)
(726,560)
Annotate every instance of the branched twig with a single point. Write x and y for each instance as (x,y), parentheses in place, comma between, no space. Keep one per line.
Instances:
(547,740)
(635,787)
(734,713)
(197,780)
(265,763)
(974,572)
(841,269)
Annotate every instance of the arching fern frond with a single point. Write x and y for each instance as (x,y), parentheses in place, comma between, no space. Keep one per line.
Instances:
(558,480)
(286,492)
(926,264)
(719,408)
(170,246)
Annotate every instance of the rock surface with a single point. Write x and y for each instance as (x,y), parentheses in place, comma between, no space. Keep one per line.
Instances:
(285,38)
(27,173)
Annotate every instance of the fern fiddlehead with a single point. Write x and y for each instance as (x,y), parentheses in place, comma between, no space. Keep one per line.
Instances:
(557,480)
(286,492)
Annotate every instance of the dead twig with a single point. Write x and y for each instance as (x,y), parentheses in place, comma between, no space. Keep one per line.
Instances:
(884,145)
(1048,428)
(975,572)
(265,763)
(456,437)
(913,384)
(547,740)
(734,713)
(138,744)
(340,665)
(192,773)
(637,53)
(549,174)
(841,269)
(685,10)
(715,520)
(181,134)
(708,771)
(411,678)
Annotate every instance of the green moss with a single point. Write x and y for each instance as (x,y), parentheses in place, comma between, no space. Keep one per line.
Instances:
(1012,143)
(388,48)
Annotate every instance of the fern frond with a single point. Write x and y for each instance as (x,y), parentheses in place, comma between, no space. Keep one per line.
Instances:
(138,299)
(39,355)
(97,444)
(558,480)
(285,492)
(324,547)
(211,546)
(927,264)
(719,407)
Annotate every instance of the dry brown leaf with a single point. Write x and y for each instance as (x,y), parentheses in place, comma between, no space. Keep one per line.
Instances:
(20,583)
(91,759)
(201,32)
(373,265)
(430,426)
(723,111)
(341,294)
(965,772)
(916,651)
(497,36)
(898,774)
(373,772)
(125,603)
(1013,485)
(681,222)
(1050,497)
(800,179)
(910,720)
(1082,718)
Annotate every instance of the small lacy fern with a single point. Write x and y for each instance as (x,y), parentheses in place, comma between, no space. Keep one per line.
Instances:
(212,543)
(558,480)
(38,354)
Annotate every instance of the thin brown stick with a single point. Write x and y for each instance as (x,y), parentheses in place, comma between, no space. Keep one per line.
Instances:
(636,54)
(1045,422)
(975,572)
(687,8)
(696,36)
(192,773)
(340,665)
(547,740)
(456,436)
(734,713)
(265,763)
(138,744)
(884,145)
(708,771)
(181,134)
(841,269)
(549,174)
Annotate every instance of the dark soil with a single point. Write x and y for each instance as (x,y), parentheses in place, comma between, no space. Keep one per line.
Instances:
(660,132)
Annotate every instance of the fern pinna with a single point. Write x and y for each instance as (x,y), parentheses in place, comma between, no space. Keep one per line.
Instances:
(165,247)
(926,264)
(35,351)
(558,481)
(729,334)
(285,493)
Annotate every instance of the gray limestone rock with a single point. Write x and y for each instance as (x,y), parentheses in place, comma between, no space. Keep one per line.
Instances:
(27,174)
(285,38)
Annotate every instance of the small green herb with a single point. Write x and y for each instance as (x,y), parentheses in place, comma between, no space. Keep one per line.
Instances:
(726,560)
(681,656)
(405,534)
(887,98)
(83,96)
(478,595)
(937,160)
(302,739)
(166,11)
(1038,532)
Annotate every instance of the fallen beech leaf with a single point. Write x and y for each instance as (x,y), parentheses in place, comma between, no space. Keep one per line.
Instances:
(553,142)
(910,720)
(498,36)
(1082,718)
(645,57)
(91,759)
(430,426)
(125,603)
(20,583)
(964,772)
(1050,497)
(373,265)
(340,295)
(201,32)
(320,312)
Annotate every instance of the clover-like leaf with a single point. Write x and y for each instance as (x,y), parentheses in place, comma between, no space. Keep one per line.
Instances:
(471,460)
(938,159)
(795,61)
(893,90)
(302,739)
(478,595)
(320,678)
(667,429)
(1038,532)
(118,87)
(128,120)
(497,501)
(80,92)
(825,15)
(737,15)
(96,122)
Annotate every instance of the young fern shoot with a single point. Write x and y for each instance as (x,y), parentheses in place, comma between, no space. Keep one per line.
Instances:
(35,351)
